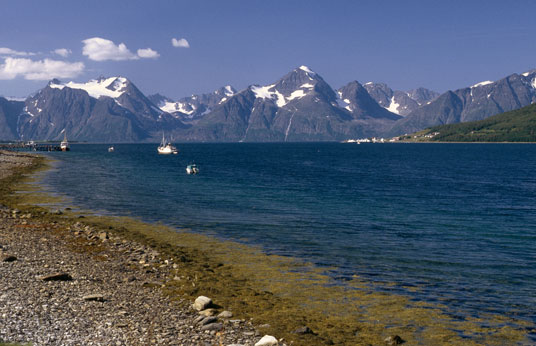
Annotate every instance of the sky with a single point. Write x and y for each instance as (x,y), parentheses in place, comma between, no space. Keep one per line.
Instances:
(179,48)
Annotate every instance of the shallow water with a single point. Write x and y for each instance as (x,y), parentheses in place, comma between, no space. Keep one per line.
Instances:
(448,223)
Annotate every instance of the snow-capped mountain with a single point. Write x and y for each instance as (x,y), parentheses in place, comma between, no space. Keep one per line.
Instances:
(299,106)
(476,102)
(356,99)
(123,91)
(294,86)
(111,87)
(104,109)
(189,109)
(399,102)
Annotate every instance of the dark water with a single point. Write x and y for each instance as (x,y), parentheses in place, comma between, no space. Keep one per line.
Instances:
(457,220)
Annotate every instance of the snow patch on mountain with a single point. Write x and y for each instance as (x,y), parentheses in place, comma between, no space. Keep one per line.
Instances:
(229,90)
(280,99)
(263,92)
(343,103)
(269,92)
(393,106)
(13,98)
(183,107)
(27,111)
(169,107)
(172,107)
(307,69)
(307,85)
(482,84)
(110,87)
(298,94)
(533,83)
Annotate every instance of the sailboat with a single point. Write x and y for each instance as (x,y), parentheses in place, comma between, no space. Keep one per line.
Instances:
(167,147)
(64,145)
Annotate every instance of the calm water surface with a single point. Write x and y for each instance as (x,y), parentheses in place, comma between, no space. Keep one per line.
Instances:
(457,220)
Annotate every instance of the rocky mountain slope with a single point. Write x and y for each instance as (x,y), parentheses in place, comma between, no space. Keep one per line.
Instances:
(399,102)
(472,103)
(189,109)
(300,106)
(9,114)
(102,110)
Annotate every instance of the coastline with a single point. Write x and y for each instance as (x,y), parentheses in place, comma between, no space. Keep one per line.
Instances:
(279,295)
(67,283)
(460,142)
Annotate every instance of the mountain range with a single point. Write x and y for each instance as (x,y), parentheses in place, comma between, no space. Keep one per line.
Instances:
(300,106)
(472,103)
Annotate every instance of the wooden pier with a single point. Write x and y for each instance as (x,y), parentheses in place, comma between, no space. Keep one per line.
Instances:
(21,146)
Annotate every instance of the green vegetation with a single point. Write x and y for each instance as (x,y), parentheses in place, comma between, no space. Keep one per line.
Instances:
(280,293)
(514,126)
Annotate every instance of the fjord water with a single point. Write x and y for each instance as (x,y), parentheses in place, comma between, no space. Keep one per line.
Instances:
(457,221)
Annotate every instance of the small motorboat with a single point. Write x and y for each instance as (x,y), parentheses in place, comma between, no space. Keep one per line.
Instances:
(111,149)
(192,169)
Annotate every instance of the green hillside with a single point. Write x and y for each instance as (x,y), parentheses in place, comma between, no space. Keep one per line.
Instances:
(514,126)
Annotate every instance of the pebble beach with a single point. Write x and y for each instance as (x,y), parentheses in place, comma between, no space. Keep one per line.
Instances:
(67,283)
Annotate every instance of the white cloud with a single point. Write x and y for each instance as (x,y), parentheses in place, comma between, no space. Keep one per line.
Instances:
(39,70)
(181,43)
(148,53)
(100,49)
(11,52)
(64,52)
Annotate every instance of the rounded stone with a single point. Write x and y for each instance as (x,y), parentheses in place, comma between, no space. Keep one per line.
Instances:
(267,340)
(202,303)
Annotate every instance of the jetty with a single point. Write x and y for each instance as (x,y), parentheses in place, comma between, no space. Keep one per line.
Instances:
(30,146)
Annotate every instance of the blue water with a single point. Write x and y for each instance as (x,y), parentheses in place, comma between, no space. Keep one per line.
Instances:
(456,220)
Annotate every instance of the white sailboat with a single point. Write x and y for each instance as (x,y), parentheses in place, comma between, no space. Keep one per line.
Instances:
(64,145)
(167,147)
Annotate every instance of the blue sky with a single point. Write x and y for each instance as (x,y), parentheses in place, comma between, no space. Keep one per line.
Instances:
(439,45)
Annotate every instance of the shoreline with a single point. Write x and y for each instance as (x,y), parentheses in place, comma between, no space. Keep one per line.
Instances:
(68,283)
(455,142)
(279,299)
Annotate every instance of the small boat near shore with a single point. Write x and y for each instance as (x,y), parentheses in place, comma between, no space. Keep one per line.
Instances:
(166,147)
(192,169)
(111,149)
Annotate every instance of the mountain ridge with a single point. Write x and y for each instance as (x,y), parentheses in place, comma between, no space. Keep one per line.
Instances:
(476,102)
(299,106)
